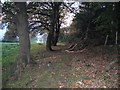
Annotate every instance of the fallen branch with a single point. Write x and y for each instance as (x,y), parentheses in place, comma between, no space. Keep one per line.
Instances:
(82,50)
(72,47)
(69,51)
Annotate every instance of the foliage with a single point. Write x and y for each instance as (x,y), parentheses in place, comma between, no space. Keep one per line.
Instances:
(11,34)
(99,17)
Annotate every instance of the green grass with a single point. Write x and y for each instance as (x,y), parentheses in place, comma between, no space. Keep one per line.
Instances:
(9,53)
(9,57)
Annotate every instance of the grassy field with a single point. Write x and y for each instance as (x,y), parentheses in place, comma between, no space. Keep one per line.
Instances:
(9,57)
(91,68)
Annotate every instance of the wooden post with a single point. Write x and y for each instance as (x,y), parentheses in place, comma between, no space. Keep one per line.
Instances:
(106,39)
(116,38)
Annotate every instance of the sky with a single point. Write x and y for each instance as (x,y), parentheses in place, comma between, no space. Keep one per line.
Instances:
(68,20)
(2,32)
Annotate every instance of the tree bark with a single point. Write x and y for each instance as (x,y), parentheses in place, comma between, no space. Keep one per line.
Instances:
(56,34)
(57,25)
(51,31)
(53,34)
(23,33)
(49,41)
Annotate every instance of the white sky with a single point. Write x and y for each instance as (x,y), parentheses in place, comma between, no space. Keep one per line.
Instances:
(68,20)
(2,1)
(2,32)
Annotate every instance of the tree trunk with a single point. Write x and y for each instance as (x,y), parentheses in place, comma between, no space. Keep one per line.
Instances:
(57,25)
(49,41)
(51,32)
(56,34)
(23,33)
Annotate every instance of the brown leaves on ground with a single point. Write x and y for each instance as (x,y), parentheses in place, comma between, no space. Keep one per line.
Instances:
(86,69)
(61,84)
(82,84)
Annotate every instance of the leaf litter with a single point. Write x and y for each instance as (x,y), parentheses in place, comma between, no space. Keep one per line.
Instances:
(74,70)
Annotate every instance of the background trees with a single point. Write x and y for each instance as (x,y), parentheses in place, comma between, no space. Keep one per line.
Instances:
(100,18)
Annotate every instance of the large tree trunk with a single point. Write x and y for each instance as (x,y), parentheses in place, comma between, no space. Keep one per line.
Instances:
(57,23)
(23,33)
(56,34)
(51,31)
(49,42)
